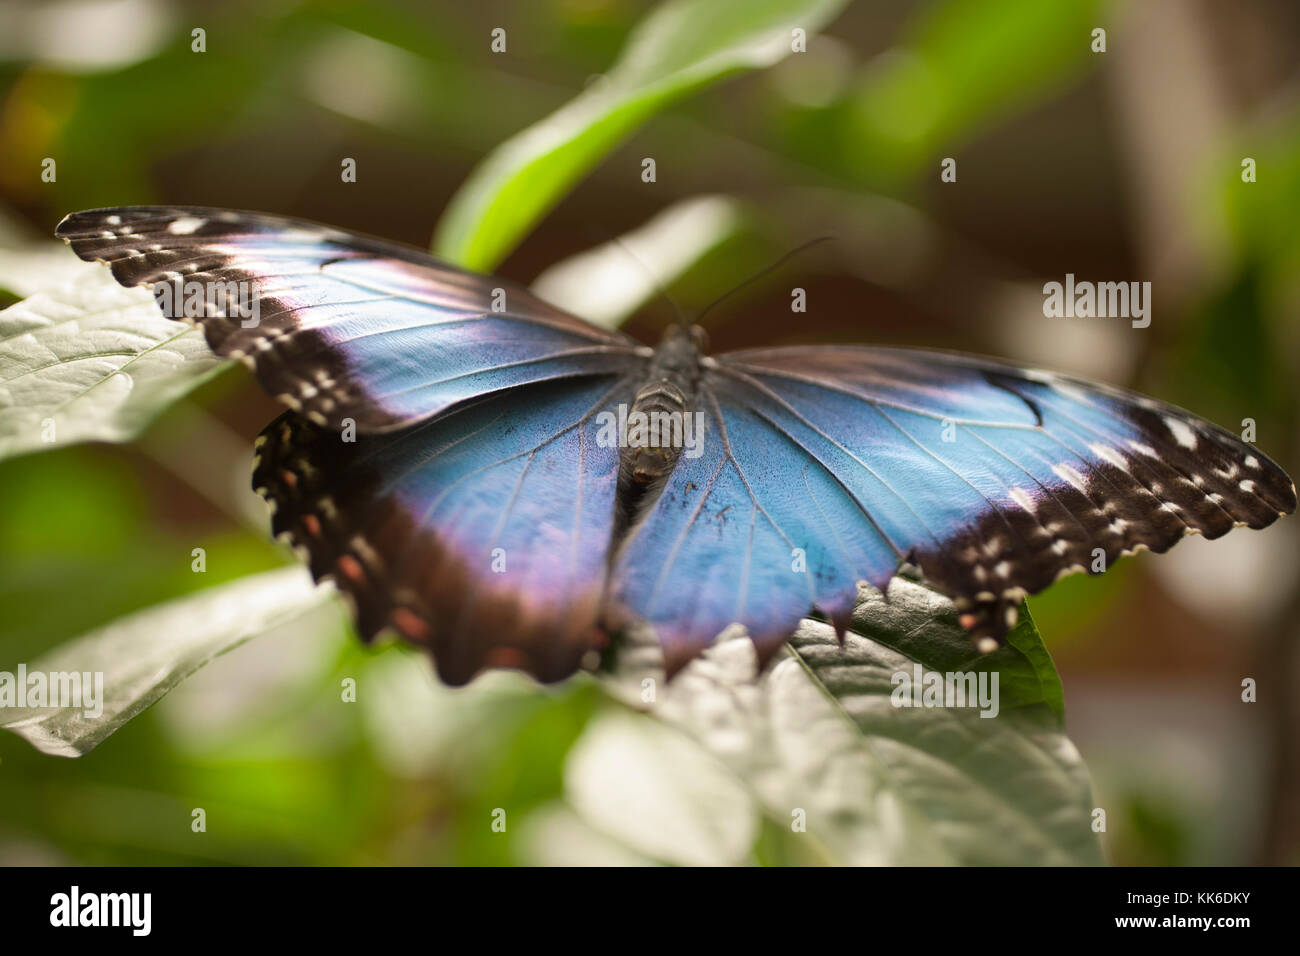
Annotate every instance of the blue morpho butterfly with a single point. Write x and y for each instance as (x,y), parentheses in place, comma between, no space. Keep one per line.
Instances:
(485,511)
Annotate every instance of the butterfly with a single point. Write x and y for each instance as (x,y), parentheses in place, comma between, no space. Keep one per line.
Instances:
(477,471)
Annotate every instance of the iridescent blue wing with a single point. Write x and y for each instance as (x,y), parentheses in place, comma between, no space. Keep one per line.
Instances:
(752,531)
(474,511)
(342,326)
(825,466)
(482,535)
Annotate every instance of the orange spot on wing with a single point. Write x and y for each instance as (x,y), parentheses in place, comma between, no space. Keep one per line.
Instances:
(312,524)
(350,568)
(412,626)
(507,657)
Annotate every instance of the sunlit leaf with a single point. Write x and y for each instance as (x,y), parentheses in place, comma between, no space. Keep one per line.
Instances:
(88,360)
(680,47)
(556,835)
(143,656)
(656,792)
(820,742)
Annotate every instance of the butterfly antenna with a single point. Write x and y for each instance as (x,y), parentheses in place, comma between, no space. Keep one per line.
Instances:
(798,250)
(654,281)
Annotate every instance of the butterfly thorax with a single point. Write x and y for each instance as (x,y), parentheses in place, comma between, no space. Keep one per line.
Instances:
(658,418)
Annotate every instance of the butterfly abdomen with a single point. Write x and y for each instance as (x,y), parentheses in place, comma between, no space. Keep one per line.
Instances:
(653,437)
(658,425)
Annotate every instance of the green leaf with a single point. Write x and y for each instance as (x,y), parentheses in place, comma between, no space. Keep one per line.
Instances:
(960,67)
(680,47)
(143,656)
(819,737)
(88,360)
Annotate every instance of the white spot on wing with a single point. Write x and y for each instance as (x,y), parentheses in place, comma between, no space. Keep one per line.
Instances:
(1106,453)
(1181,431)
(1067,474)
(185,225)
(1024,500)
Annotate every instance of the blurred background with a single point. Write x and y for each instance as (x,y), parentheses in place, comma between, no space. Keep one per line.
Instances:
(1117,166)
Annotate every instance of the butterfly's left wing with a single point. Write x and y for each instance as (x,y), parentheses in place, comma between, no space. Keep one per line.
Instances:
(825,466)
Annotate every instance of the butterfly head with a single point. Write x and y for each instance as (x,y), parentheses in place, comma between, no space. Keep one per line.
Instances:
(683,337)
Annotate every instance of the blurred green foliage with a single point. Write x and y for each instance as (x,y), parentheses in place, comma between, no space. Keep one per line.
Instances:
(413,90)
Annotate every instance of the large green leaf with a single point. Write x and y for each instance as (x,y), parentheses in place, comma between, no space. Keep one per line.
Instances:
(144,655)
(818,736)
(959,66)
(682,46)
(88,360)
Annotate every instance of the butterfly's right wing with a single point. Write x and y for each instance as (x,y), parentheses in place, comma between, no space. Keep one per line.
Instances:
(342,326)
(823,466)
